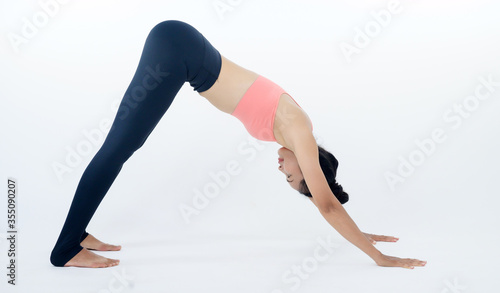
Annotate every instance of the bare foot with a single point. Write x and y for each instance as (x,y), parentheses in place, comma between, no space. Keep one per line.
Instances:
(88,259)
(91,243)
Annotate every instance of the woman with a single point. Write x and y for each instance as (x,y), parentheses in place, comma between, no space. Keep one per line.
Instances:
(174,53)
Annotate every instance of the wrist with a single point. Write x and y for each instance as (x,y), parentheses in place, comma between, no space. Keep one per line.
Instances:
(377,256)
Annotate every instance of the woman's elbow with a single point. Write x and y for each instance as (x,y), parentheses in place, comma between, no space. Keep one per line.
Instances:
(327,207)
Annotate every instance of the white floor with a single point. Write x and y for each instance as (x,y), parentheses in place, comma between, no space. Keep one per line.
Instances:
(256,234)
(461,258)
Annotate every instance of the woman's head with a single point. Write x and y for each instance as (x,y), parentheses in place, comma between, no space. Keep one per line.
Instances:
(329,164)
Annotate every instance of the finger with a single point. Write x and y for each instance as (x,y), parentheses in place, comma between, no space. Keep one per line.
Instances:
(411,263)
(385,238)
(408,266)
(380,238)
(419,263)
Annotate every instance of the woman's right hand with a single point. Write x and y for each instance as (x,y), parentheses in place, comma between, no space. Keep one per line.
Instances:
(392,261)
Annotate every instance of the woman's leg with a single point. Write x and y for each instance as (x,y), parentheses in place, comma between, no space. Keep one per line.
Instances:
(174,53)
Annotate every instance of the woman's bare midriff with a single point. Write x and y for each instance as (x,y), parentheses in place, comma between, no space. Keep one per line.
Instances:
(230,87)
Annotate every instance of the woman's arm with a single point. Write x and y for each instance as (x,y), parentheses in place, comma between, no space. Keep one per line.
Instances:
(306,150)
(339,219)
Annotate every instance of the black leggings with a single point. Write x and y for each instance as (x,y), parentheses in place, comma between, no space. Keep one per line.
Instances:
(174,53)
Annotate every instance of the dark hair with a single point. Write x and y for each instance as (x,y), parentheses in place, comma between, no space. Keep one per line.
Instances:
(329,165)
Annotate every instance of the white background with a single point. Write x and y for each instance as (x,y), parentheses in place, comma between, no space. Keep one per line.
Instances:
(68,76)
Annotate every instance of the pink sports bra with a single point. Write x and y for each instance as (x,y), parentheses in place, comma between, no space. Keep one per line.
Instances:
(257,108)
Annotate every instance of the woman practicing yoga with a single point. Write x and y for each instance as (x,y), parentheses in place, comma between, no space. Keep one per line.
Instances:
(174,53)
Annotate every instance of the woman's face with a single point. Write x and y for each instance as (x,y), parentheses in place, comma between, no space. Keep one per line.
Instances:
(289,166)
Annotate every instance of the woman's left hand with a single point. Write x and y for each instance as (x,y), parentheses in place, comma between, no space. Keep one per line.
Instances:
(374,238)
